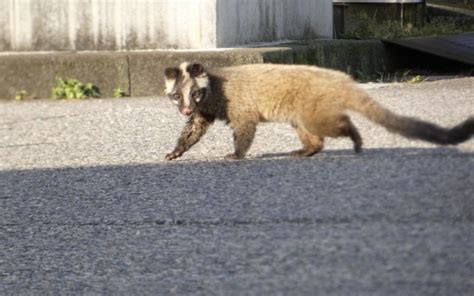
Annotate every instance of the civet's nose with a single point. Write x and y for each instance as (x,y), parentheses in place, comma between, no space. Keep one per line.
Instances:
(187,111)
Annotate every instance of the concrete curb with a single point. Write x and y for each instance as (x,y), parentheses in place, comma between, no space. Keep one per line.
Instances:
(140,73)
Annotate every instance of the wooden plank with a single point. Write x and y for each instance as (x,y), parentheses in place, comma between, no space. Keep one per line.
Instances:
(455,47)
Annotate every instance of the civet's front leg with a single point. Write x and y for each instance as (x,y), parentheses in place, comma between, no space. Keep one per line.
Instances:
(194,129)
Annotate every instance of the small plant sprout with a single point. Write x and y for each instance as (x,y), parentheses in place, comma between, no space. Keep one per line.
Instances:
(119,93)
(21,95)
(74,89)
(416,79)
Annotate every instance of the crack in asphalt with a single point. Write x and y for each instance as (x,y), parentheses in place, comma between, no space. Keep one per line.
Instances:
(27,145)
(42,118)
(238,222)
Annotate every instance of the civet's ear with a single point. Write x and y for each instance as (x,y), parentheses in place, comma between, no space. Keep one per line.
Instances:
(171,73)
(195,69)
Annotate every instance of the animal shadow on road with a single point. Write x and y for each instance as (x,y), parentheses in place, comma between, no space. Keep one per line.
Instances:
(374,152)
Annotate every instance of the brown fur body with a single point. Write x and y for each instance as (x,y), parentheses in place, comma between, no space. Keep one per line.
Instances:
(313,100)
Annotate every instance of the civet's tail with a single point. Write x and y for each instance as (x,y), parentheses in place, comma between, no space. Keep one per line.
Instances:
(411,127)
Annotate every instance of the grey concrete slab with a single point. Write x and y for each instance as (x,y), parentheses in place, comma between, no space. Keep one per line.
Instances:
(89,206)
(36,73)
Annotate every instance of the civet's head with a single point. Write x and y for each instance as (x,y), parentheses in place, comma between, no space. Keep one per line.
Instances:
(187,86)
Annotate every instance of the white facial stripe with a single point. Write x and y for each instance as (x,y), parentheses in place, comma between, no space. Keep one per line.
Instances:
(186,84)
(169,85)
(184,71)
(202,80)
(185,91)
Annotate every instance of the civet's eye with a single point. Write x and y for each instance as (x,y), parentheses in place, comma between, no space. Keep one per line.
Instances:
(177,96)
(196,94)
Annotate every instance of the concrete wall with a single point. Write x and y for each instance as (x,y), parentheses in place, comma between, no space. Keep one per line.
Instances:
(140,73)
(252,21)
(105,24)
(30,25)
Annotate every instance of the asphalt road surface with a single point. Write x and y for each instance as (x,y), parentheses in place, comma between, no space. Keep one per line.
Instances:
(88,205)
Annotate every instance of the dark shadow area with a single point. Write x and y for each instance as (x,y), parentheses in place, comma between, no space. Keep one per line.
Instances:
(264,189)
(406,58)
(399,216)
(377,152)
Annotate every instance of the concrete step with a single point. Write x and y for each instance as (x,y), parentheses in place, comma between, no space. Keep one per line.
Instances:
(139,73)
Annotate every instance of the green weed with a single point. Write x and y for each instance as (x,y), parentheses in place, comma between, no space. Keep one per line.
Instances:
(74,89)
(21,95)
(370,28)
(119,92)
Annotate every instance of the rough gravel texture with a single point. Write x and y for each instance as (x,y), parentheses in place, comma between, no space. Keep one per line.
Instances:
(89,206)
